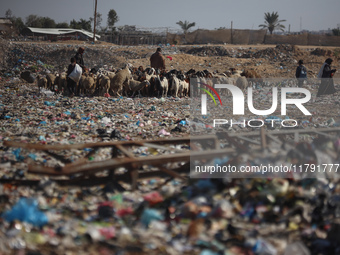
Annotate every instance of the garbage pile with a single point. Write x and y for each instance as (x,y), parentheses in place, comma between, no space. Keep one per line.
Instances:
(164,216)
(206,51)
(321,52)
(45,58)
(285,54)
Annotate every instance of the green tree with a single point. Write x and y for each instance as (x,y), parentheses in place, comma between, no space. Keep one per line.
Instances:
(62,25)
(272,22)
(8,14)
(33,21)
(18,24)
(47,22)
(74,24)
(112,18)
(185,26)
(336,31)
(82,24)
(85,24)
(99,20)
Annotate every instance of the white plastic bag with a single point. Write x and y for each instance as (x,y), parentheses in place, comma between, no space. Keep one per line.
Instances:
(321,71)
(76,73)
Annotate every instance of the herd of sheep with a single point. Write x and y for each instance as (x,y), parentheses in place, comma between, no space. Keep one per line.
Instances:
(146,82)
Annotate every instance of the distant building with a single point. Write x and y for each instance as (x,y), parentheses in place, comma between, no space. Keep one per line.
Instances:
(54,34)
(6,26)
(130,35)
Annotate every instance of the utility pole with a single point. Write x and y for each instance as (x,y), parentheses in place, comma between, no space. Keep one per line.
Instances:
(95,19)
(231,32)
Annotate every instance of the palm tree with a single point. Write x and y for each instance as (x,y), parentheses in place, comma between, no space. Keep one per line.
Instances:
(272,22)
(185,25)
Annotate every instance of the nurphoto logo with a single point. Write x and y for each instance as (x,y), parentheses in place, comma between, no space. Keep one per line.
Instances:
(238,100)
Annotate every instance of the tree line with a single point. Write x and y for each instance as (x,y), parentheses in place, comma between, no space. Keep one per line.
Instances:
(272,23)
(46,22)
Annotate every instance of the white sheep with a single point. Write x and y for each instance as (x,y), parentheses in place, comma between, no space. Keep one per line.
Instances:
(61,81)
(134,86)
(50,81)
(103,84)
(121,77)
(242,83)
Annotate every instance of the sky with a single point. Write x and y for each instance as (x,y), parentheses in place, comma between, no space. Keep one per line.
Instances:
(207,14)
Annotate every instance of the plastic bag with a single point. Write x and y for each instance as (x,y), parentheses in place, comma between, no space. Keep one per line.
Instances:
(76,73)
(321,71)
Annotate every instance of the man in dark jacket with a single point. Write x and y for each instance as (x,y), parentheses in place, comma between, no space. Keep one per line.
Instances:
(79,58)
(301,73)
(157,60)
(327,83)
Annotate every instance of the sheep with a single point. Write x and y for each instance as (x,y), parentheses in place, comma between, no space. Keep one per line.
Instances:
(50,81)
(80,85)
(242,83)
(249,73)
(88,85)
(233,73)
(61,81)
(134,86)
(103,85)
(110,74)
(41,82)
(121,77)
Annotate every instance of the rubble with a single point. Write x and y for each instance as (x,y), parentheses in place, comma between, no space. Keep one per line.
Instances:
(132,210)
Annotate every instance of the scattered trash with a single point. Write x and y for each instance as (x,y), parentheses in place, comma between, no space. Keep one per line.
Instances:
(26,210)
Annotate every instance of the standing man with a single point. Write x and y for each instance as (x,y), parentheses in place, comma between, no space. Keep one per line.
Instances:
(79,58)
(157,60)
(301,73)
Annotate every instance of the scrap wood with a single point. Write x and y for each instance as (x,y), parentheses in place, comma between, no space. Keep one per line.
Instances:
(292,131)
(90,166)
(56,147)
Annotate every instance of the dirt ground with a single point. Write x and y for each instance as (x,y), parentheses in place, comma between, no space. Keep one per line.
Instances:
(267,60)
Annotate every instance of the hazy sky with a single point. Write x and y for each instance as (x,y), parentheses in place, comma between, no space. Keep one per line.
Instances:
(209,14)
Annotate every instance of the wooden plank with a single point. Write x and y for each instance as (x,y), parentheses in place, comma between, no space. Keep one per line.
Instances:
(325,134)
(134,179)
(125,151)
(156,146)
(95,166)
(248,140)
(224,135)
(171,172)
(58,157)
(56,147)
(263,138)
(287,132)
(277,140)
